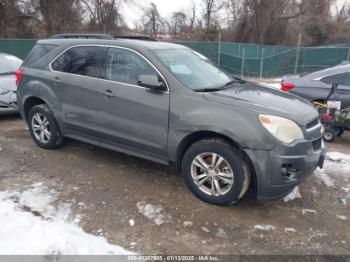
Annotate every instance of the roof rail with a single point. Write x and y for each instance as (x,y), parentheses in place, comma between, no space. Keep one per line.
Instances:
(83,36)
(136,37)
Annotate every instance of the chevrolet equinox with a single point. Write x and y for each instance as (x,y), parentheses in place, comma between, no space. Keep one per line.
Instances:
(169,104)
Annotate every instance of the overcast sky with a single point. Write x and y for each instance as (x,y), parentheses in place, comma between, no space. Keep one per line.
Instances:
(133,12)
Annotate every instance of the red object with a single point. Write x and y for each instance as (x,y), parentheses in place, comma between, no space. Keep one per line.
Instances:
(287,86)
(19,75)
(326,117)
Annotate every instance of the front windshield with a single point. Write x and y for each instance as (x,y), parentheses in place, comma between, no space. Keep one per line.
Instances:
(192,69)
(9,64)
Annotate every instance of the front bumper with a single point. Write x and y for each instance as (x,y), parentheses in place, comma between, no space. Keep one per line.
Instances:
(278,171)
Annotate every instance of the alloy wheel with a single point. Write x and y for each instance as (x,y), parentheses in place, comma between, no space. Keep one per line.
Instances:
(212,174)
(41,128)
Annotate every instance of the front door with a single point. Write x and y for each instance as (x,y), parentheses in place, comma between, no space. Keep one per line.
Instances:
(132,117)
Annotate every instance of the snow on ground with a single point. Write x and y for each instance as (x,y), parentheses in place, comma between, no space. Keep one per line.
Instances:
(154,212)
(336,170)
(35,226)
(264,227)
(292,195)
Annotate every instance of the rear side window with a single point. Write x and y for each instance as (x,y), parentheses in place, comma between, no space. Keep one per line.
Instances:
(337,78)
(83,60)
(39,51)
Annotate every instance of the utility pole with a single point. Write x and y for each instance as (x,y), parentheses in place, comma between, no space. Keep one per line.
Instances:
(297,55)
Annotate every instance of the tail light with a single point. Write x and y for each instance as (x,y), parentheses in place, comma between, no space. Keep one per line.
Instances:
(287,86)
(19,75)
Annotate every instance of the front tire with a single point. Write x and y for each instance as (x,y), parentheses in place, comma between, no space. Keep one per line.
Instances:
(43,127)
(215,172)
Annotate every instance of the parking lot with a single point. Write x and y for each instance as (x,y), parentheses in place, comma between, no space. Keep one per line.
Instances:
(146,208)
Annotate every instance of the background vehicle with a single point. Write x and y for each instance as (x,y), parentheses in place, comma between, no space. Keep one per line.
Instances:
(334,119)
(8,67)
(167,103)
(316,86)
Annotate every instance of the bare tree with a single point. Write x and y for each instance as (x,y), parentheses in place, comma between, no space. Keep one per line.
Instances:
(152,20)
(211,7)
(103,16)
(177,23)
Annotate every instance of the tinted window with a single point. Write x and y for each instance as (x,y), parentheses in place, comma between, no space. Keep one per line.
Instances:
(338,78)
(83,60)
(125,66)
(38,52)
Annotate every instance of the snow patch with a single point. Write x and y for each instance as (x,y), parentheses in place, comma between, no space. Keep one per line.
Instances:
(264,227)
(289,230)
(342,217)
(292,195)
(324,178)
(132,222)
(33,226)
(305,211)
(188,223)
(221,233)
(154,212)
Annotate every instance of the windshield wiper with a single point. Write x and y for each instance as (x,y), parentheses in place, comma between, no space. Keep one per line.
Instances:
(231,82)
(214,89)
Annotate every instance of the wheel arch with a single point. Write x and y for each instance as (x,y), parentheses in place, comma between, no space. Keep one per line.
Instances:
(30,102)
(190,139)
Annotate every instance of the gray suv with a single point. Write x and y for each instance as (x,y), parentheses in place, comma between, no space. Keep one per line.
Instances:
(167,103)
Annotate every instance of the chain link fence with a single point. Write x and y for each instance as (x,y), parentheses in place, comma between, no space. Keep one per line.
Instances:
(263,61)
(244,60)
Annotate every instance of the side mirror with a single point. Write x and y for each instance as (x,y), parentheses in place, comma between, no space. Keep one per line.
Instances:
(151,82)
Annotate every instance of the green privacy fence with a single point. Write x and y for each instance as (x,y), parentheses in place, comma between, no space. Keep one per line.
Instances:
(246,60)
(269,61)
(19,48)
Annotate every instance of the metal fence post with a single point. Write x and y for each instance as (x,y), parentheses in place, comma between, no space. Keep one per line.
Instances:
(348,58)
(219,50)
(242,65)
(262,62)
(297,56)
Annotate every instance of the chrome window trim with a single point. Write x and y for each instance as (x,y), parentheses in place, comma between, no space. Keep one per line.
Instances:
(110,46)
(321,77)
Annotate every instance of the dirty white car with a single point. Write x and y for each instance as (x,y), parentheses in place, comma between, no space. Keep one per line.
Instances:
(8,67)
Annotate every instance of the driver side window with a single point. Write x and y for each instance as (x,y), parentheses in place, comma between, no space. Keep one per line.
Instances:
(125,66)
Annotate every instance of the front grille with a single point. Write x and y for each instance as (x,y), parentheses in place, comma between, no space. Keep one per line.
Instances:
(312,123)
(317,144)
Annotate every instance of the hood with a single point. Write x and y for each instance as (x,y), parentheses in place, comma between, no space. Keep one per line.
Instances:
(8,82)
(265,100)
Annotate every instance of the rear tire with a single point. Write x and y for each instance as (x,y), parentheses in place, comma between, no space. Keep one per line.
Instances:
(43,127)
(215,172)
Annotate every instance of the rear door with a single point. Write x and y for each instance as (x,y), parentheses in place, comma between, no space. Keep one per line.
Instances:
(132,117)
(75,80)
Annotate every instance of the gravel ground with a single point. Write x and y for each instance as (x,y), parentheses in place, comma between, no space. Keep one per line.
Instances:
(146,208)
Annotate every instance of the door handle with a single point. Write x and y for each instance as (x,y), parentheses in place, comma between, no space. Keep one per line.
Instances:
(56,80)
(108,93)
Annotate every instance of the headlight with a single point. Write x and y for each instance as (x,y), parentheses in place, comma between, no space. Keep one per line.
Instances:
(285,130)
(3,91)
